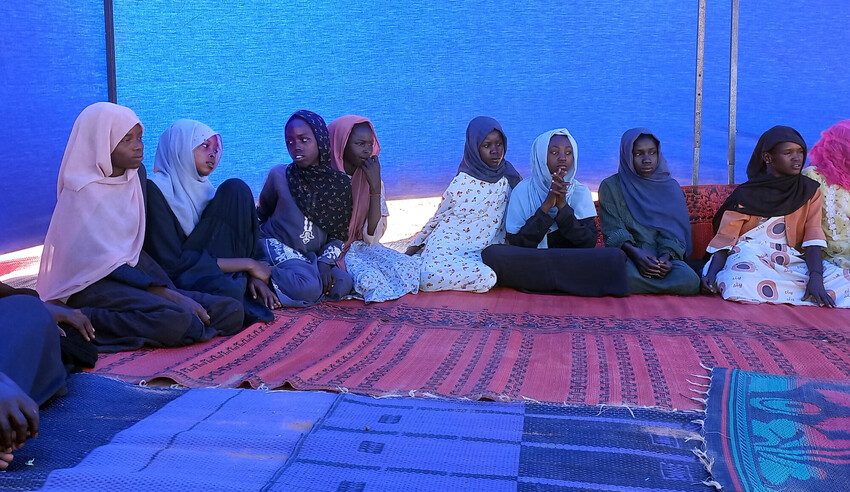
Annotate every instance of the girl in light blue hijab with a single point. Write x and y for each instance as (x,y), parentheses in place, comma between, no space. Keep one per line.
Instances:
(531,194)
(551,229)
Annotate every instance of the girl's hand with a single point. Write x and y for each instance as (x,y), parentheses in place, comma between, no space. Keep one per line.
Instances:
(260,291)
(709,284)
(260,270)
(327,277)
(372,168)
(646,262)
(665,263)
(816,292)
(185,303)
(73,317)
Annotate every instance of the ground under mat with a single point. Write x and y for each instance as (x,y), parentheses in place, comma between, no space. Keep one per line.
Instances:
(231,439)
(507,345)
(773,433)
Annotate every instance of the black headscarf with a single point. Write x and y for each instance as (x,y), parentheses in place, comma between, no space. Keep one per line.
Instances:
(763,194)
(322,193)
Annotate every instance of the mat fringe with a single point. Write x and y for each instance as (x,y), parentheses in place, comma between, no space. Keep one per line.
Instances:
(701,450)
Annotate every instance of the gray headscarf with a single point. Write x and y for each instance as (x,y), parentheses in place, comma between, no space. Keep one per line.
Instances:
(656,201)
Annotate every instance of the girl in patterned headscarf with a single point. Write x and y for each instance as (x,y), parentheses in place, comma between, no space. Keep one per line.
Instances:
(769,236)
(304,210)
(471,215)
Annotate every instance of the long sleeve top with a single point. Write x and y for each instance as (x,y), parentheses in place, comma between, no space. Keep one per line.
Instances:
(571,232)
(619,226)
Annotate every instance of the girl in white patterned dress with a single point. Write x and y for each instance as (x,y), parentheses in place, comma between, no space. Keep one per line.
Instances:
(471,215)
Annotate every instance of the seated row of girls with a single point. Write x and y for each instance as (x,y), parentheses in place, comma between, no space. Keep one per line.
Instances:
(93,258)
(769,241)
(551,230)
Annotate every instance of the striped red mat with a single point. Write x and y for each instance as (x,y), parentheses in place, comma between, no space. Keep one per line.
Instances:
(508,345)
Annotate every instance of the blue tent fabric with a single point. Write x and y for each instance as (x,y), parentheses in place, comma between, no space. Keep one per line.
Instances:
(242,439)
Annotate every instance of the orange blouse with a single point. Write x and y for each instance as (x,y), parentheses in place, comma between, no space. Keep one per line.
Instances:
(802,226)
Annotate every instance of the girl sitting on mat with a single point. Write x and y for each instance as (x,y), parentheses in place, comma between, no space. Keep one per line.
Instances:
(470,216)
(830,167)
(379,273)
(769,237)
(643,212)
(551,230)
(93,258)
(206,239)
(305,211)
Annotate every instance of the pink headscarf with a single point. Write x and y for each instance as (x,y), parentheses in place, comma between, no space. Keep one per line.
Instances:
(831,155)
(99,221)
(340,130)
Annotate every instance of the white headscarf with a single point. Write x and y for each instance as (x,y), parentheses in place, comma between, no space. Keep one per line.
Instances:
(531,191)
(99,221)
(176,176)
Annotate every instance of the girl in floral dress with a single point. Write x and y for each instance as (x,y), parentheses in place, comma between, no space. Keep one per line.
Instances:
(471,215)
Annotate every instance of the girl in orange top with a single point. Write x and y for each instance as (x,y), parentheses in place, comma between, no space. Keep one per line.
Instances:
(769,237)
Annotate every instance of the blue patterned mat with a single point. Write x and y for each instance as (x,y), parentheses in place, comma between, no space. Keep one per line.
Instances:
(130,438)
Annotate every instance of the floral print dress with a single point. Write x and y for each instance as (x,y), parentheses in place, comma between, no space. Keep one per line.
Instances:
(470,217)
(763,267)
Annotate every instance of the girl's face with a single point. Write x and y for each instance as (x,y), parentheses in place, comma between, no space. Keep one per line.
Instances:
(492,149)
(645,156)
(360,145)
(129,152)
(785,159)
(560,154)
(301,143)
(207,155)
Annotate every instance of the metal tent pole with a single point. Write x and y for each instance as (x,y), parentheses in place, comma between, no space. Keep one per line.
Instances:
(733,93)
(109,27)
(698,92)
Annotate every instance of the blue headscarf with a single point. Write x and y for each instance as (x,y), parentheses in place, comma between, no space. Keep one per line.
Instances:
(656,201)
(531,191)
(472,164)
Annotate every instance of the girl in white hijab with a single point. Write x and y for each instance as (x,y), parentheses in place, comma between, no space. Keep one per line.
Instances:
(205,238)
(551,229)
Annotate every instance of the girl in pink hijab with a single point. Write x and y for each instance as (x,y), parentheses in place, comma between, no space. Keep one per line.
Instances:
(830,167)
(93,259)
(379,273)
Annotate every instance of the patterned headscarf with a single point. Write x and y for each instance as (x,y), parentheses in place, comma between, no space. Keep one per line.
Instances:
(656,201)
(472,164)
(322,193)
(831,155)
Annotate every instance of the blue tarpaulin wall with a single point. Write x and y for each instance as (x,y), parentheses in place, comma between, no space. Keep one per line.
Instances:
(420,71)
